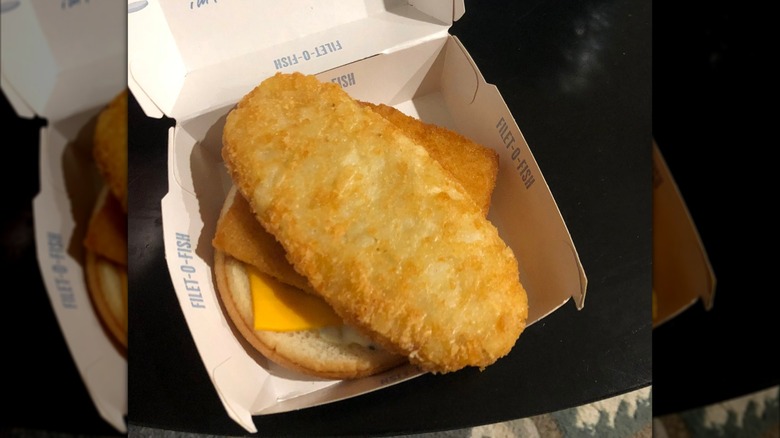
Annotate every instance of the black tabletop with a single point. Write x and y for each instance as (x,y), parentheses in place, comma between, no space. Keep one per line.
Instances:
(41,385)
(709,87)
(577,78)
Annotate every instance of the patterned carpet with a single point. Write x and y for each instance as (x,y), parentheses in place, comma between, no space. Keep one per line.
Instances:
(629,415)
(754,415)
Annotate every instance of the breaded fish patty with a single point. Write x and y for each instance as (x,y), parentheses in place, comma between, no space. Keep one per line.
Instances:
(106,233)
(240,236)
(383,234)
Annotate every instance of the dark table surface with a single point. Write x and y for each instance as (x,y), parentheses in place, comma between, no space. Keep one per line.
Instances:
(40,382)
(710,82)
(577,78)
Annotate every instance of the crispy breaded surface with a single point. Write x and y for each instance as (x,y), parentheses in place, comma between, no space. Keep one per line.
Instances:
(110,146)
(106,233)
(383,234)
(473,165)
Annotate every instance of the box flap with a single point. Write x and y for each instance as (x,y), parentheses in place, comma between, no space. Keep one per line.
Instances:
(69,182)
(17,102)
(682,273)
(178,70)
(60,58)
(550,265)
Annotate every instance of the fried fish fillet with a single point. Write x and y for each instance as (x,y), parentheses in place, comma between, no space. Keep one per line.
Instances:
(110,146)
(473,165)
(378,227)
(243,238)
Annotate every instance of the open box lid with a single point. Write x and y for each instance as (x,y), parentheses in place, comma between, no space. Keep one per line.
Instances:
(682,273)
(176,69)
(60,58)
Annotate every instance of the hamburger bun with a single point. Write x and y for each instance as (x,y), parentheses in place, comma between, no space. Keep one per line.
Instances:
(105,266)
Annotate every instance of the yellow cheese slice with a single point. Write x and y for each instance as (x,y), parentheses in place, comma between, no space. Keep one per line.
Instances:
(281,307)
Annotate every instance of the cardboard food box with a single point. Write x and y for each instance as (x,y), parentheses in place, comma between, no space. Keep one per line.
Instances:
(682,274)
(193,61)
(64,61)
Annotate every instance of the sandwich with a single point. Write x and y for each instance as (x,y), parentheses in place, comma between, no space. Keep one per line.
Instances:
(373,218)
(105,241)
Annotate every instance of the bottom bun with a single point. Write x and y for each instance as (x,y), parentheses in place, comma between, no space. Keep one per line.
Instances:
(331,353)
(105,248)
(107,285)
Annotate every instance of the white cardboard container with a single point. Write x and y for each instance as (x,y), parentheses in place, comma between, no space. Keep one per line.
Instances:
(682,273)
(192,62)
(64,61)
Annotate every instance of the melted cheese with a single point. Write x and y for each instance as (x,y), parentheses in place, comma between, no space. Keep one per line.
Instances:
(281,307)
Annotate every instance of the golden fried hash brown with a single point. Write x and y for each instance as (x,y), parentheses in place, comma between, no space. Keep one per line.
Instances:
(379,228)
(110,146)
(473,165)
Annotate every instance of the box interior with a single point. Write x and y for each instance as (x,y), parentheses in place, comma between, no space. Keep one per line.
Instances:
(415,66)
